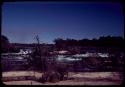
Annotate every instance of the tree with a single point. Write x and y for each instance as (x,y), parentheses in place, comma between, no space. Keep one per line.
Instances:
(59,42)
(5,45)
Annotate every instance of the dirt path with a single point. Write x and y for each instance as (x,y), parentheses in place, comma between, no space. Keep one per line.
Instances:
(80,78)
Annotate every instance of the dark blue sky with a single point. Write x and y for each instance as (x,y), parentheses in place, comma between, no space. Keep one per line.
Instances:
(21,21)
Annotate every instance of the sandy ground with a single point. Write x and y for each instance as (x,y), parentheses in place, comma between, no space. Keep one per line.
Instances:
(21,73)
(80,78)
(68,82)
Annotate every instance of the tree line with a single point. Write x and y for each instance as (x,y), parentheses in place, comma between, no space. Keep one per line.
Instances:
(60,43)
(104,41)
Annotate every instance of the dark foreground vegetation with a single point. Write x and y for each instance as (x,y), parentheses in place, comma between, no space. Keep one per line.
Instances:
(42,60)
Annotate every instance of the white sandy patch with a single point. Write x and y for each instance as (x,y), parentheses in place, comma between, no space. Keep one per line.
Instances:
(97,75)
(21,73)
